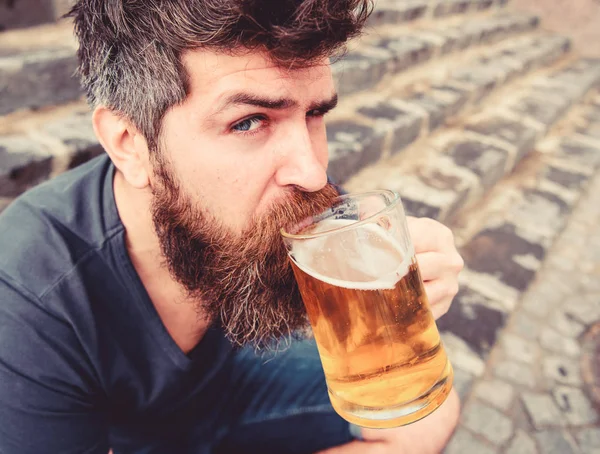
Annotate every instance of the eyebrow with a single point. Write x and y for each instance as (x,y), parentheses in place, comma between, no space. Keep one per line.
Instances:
(249,99)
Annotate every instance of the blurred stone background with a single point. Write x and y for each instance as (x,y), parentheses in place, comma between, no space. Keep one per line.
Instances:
(483,114)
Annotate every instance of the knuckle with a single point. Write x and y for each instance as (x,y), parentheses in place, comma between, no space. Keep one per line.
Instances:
(429,222)
(453,289)
(458,263)
(447,233)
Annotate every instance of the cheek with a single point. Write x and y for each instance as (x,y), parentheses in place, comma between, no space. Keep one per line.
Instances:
(237,187)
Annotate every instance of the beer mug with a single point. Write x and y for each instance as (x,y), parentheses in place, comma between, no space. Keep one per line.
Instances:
(380,348)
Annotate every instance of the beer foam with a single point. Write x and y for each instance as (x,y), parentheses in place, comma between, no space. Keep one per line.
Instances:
(380,266)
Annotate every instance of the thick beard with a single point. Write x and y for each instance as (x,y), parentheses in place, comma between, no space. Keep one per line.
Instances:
(243,282)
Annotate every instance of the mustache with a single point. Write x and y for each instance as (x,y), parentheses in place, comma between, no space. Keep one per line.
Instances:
(296,209)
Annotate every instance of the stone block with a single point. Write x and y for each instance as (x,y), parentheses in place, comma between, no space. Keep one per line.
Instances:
(584,311)
(561,370)
(542,410)
(553,341)
(538,216)
(464,442)
(507,24)
(407,51)
(404,126)
(512,131)
(566,325)
(454,39)
(566,178)
(520,53)
(497,251)
(482,4)
(542,299)
(23,163)
(551,49)
(487,422)
(590,130)
(544,87)
(462,355)
(481,80)
(575,406)
(539,52)
(25,13)
(476,32)
(527,22)
(496,392)
(440,104)
(397,13)
(352,146)
(556,442)
(580,152)
(486,161)
(435,190)
(521,444)
(471,319)
(515,372)
(444,8)
(589,440)
(38,79)
(593,111)
(506,68)
(420,209)
(77,134)
(519,349)
(544,111)
(462,382)
(580,74)
(362,70)
(525,326)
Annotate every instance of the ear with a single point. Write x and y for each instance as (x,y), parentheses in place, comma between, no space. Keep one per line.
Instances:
(125,145)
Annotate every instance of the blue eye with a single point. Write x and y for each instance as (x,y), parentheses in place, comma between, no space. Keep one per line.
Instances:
(248,125)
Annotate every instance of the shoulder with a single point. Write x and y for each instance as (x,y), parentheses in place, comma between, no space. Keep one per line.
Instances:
(49,229)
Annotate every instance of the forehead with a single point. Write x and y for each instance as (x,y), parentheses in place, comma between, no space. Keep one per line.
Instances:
(213,75)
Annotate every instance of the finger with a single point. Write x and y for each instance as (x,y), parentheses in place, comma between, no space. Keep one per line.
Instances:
(440,294)
(428,435)
(429,235)
(433,265)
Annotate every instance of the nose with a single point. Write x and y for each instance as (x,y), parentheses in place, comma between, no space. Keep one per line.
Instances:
(303,159)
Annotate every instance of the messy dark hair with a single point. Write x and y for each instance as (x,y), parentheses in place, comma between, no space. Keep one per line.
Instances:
(130,50)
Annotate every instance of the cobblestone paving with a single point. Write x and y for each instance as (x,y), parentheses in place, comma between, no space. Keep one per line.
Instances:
(530,396)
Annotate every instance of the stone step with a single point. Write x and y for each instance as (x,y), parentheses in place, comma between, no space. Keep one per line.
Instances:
(50,142)
(47,149)
(37,66)
(380,125)
(27,13)
(395,12)
(508,235)
(390,51)
(457,167)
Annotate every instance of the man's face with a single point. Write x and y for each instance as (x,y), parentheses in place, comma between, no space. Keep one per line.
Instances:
(248,132)
(243,156)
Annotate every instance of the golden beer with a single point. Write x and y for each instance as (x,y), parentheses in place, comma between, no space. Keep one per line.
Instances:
(380,348)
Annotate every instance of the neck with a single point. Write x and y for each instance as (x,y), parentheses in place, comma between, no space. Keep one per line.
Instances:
(179,315)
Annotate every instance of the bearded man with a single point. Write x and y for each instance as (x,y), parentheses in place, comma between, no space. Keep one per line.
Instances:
(137,290)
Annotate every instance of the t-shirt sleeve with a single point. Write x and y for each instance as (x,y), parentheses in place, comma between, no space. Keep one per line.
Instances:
(47,399)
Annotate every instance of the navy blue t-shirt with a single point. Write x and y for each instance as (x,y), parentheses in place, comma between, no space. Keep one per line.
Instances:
(85,361)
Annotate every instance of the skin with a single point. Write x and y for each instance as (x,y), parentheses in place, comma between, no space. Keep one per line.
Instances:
(235,160)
